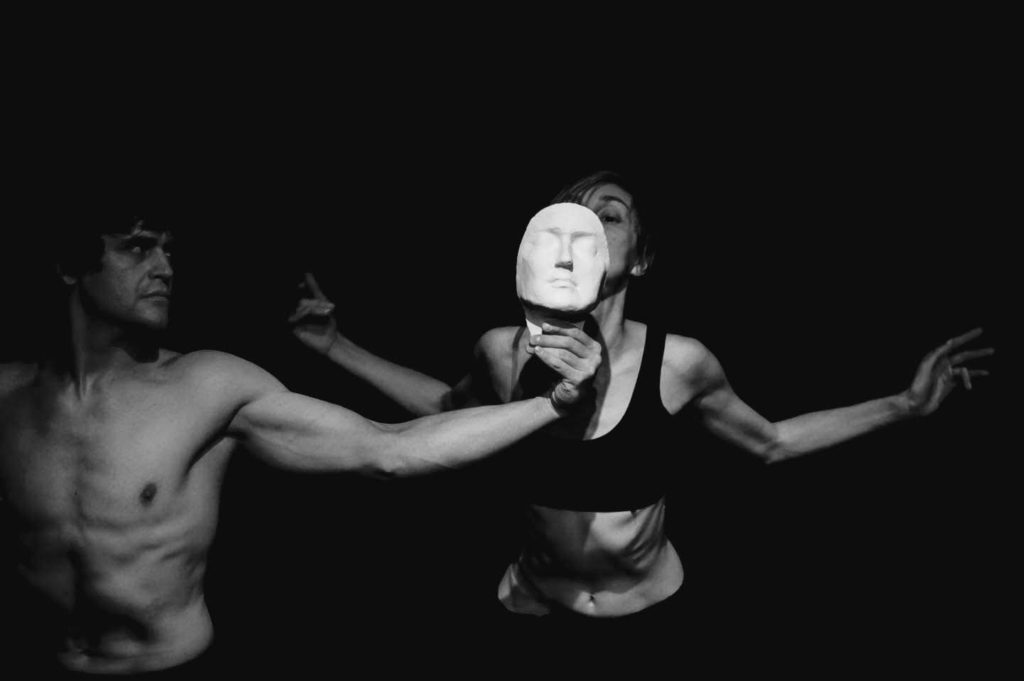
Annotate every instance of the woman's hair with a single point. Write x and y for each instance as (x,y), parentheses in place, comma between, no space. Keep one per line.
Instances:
(578,190)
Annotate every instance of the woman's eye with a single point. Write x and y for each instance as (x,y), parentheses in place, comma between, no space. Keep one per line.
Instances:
(610,218)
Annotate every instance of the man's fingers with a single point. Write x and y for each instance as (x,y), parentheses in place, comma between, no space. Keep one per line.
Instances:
(554,360)
(569,331)
(577,364)
(570,351)
(559,342)
(568,338)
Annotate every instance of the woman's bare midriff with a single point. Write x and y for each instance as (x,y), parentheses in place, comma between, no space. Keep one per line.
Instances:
(604,564)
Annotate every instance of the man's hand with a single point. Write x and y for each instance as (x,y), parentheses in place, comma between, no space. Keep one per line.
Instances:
(313,320)
(571,353)
(940,371)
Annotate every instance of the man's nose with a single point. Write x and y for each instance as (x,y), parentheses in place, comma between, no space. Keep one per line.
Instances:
(564,253)
(161,268)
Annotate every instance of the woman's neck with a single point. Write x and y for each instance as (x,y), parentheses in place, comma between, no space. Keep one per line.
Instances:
(610,315)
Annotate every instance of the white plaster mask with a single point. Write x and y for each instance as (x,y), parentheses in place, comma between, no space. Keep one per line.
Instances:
(562,261)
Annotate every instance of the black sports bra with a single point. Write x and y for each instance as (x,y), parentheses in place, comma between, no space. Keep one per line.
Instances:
(624,469)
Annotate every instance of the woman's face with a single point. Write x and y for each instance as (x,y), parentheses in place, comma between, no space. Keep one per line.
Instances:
(613,206)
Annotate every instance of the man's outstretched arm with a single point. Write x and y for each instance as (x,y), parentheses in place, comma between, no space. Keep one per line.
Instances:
(303,433)
(729,417)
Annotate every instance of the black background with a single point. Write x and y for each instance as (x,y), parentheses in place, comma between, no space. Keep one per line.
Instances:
(818,229)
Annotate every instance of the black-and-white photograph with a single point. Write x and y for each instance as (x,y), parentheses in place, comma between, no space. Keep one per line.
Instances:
(467,393)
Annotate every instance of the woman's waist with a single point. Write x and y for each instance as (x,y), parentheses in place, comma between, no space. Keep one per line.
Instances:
(597,567)
(598,587)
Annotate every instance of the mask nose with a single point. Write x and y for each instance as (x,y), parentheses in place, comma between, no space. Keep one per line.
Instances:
(564,253)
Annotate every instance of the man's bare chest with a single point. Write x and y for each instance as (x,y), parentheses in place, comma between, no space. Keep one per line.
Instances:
(102,459)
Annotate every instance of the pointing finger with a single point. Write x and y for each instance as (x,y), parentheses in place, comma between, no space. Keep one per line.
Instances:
(313,286)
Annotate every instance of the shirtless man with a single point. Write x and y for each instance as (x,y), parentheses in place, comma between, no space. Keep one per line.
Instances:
(596,546)
(112,455)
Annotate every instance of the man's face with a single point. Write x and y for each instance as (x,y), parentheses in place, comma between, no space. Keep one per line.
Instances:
(562,259)
(133,283)
(613,206)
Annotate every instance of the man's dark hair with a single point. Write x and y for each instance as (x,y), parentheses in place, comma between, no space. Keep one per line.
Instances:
(80,244)
(577,191)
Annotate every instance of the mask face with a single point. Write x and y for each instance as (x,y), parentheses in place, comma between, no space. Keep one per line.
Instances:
(562,261)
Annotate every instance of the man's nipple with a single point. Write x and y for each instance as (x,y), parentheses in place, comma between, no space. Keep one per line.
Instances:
(148,494)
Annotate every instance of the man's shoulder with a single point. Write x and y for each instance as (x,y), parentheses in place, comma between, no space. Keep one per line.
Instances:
(218,370)
(202,360)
